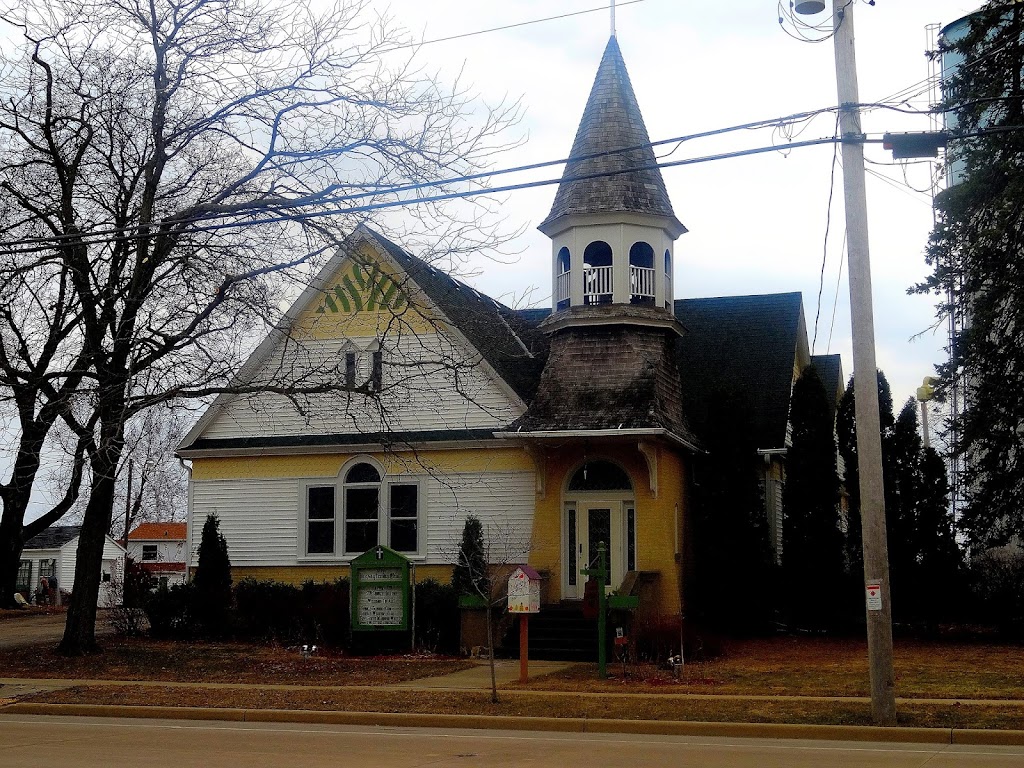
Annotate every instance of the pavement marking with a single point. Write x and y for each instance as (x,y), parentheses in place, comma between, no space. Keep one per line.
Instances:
(407,732)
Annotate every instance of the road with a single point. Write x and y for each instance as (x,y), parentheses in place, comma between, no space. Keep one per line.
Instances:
(44,629)
(43,742)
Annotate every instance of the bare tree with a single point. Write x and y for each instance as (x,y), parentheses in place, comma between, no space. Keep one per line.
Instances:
(185,161)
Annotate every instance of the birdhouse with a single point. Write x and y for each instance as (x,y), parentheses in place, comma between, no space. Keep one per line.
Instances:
(524,590)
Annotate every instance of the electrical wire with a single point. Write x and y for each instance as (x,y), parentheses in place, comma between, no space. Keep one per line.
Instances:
(828,222)
(835,299)
(122,234)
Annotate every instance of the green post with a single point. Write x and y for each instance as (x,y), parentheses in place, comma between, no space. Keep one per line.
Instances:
(602,612)
(600,575)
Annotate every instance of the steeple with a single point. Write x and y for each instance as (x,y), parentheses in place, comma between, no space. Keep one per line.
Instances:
(597,177)
(612,225)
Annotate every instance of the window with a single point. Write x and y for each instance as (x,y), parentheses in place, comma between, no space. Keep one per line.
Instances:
(360,511)
(403,518)
(47,568)
(600,475)
(563,261)
(149,551)
(377,374)
(350,370)
(320,520)
(24,578)
(362,503)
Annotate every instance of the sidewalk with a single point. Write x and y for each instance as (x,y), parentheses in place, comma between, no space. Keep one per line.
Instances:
(477,679)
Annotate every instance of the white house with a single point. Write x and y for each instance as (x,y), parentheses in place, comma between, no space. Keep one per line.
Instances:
(52,554)
(160,549)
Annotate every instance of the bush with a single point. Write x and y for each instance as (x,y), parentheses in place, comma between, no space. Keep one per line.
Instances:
(997,588)
(437,617)
(169,611)
(212,582)
(268,610)
(326,618)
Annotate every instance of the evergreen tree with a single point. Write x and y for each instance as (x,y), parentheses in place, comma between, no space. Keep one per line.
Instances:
(469,577)
(734,564)
(212,580)
(977,255)
(813,555)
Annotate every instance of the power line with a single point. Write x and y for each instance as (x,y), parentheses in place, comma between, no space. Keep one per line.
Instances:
(122,234)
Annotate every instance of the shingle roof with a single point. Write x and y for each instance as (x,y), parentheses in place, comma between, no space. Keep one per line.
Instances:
(352,438)
(742,346)
(611,121)
(830,370)
(508,340)
(158,531)
(53,537)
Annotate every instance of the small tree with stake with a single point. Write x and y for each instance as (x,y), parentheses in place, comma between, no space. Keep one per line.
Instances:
(212,582)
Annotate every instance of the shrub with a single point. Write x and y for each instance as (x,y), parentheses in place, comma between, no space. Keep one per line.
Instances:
(326,617)
(469,577)
(212,582)
(268,610)
(437,617)
(169,611)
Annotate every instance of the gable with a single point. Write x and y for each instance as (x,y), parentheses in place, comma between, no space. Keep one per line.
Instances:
(366,351)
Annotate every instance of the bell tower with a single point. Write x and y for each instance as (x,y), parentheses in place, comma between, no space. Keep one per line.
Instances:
(611,225)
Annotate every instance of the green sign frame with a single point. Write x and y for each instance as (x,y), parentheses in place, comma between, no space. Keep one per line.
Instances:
(380,591)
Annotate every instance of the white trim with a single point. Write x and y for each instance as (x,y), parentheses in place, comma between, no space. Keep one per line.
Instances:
(558,434)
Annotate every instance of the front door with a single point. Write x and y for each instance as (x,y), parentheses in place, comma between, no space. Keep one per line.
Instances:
(587,524)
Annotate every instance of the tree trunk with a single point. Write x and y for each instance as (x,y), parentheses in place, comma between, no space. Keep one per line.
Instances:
(16,495)
(80,628)
(10,556)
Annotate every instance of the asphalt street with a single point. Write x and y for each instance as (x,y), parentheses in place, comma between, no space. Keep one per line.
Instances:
(76,742)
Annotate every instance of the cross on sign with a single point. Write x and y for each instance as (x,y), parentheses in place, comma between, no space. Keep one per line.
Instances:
(380,553)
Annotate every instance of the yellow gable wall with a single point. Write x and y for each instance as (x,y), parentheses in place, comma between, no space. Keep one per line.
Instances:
(656,524)
(366,297)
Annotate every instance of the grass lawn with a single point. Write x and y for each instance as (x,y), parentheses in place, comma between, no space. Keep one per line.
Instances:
(798,667)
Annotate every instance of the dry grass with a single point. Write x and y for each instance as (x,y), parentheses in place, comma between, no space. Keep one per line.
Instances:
(819,667)
(524,704)
(135,659)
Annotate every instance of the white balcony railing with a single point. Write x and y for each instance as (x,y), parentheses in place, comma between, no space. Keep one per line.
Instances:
(562,287)
(641,282)
(597,284)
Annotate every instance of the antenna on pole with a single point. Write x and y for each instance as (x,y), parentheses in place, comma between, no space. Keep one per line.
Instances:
(613,17)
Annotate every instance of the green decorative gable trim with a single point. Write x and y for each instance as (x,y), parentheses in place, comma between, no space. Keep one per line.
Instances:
(363,287)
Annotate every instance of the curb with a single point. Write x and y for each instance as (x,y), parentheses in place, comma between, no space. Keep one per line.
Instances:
(549,724)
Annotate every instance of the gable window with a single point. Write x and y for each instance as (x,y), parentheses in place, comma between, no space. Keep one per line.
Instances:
(149,551)
(320,520)
(377,371)
(350,370)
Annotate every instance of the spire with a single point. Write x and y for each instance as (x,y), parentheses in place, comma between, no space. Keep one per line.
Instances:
(611,121)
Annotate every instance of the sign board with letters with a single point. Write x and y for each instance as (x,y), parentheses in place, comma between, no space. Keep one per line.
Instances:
(524,590)
(380,591)
(874,596)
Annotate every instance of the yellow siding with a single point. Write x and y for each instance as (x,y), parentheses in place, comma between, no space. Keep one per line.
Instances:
(329,465)
(655,517)
(300,573)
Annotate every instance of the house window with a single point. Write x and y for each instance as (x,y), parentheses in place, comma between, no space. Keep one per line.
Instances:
(24,579)
(403,517)
(320,520)
(47,568)
(149,551)
(362,508)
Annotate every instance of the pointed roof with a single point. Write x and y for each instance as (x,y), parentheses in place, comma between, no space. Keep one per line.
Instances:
(604,182)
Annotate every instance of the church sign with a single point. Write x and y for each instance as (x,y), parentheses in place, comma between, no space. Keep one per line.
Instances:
(380,591)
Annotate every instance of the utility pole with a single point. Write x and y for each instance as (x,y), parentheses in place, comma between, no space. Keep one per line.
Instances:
(865,382)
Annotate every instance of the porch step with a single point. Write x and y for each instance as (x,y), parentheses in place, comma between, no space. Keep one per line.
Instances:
(558,633)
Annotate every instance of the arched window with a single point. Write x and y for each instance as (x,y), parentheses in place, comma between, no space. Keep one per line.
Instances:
(668,279)
(600,475)
(641,255)
(597,273)
(668,262)
(362,508)
(597,254)
(563,261)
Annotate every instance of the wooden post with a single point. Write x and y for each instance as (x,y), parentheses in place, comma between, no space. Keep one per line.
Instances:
(869,443)
(524,647)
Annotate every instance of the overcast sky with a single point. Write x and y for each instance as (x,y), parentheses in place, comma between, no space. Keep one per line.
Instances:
(756,224)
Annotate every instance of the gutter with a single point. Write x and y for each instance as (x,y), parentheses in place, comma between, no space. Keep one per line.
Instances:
(562,434)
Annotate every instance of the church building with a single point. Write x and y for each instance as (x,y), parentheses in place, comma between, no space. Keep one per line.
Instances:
(558,428)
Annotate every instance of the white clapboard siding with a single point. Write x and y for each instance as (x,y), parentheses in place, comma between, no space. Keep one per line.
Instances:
(260,518)
(429,384)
